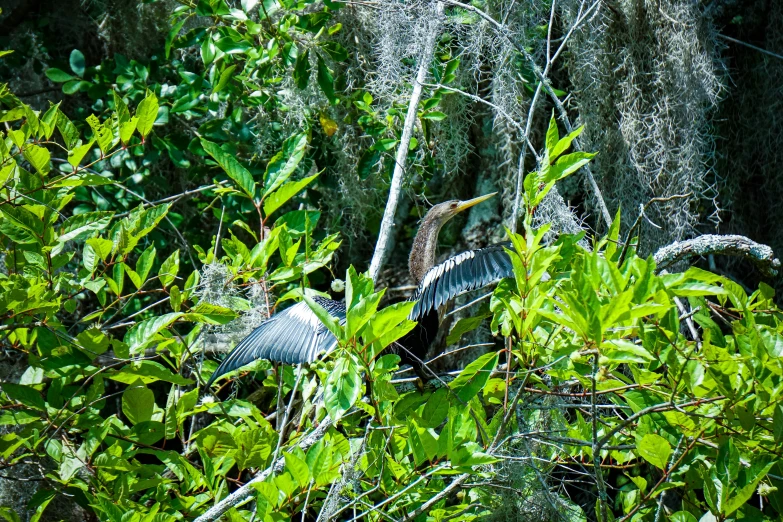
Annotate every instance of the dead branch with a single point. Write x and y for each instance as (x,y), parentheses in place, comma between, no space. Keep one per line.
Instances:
(730,245)
(387,223)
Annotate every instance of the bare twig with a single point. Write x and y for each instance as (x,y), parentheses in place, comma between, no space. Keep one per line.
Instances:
(751,46)
(642,211)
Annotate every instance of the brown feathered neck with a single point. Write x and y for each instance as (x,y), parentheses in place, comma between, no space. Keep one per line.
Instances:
(422,256)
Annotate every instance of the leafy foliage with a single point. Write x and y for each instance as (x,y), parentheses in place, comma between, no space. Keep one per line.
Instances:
(112,315)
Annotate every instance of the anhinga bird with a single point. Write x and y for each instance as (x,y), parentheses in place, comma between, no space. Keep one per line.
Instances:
(296,335)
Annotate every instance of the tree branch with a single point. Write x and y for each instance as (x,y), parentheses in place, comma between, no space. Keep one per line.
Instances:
(245,493)
(731,245)
(385,234)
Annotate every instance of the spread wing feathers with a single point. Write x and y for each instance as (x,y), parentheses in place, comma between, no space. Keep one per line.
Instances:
(293,336)
(459,274)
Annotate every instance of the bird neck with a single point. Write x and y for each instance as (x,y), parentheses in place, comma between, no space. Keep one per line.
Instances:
(425,244)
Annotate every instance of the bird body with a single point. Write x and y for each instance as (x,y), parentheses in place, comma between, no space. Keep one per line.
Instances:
(297,336)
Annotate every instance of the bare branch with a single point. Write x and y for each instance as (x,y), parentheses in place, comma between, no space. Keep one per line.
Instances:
(731,245)
(385,234)
(245,493)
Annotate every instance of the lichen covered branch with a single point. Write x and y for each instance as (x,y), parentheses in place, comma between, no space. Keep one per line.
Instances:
(731,245)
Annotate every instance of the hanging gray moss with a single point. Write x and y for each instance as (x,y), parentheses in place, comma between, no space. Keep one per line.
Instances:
(646,81)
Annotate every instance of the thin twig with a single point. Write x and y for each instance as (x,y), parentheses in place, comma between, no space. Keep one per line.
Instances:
(751,46)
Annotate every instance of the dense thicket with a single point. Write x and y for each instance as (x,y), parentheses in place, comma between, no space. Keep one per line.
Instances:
(174,172)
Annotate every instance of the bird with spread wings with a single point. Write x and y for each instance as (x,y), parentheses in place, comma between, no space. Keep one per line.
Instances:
(297,336)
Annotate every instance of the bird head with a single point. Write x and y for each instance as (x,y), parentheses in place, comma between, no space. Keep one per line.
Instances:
(443,212)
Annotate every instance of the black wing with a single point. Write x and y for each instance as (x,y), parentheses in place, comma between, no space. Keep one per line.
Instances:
(293,336)
(459,274)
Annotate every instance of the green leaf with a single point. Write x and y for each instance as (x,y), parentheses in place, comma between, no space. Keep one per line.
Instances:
(225,77)
(335,50)
(68,130)
(360,313)
(552,137)
(58,76)
(697,289)
(102,133)
(81,226)
(475,375)
(40,500)
(288,190)
(284,163)
(567,165)
(147,372)
(326,81)
(101,247)
(121,112)
(777,423)
(434,116)
(436,408)
(144,333)
(302,69)
(231,166)
(740,495)
(77,62)
(565,143)
(7,513)
(211,314)
(389,325)
(93,342)
(463,326)
(231,46)
(138,403)
(75,86)
(254,447)
(169,269)
(144,263)
(367,163)
(76,155)
(38,157)
(423,442)
(49,120)
(297,468)
(330,322)
(127,128)
(25,395)
(622,351)
(173,35)
(175,297)
(470,454)
(343,386)
(654,449)
(147,112)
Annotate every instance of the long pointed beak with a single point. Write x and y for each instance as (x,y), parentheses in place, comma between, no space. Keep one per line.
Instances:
(464,205)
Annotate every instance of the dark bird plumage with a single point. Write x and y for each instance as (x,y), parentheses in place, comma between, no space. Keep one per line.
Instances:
(297,336)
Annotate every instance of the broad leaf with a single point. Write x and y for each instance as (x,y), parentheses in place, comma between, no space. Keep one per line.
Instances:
(231,166)
(342,388)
